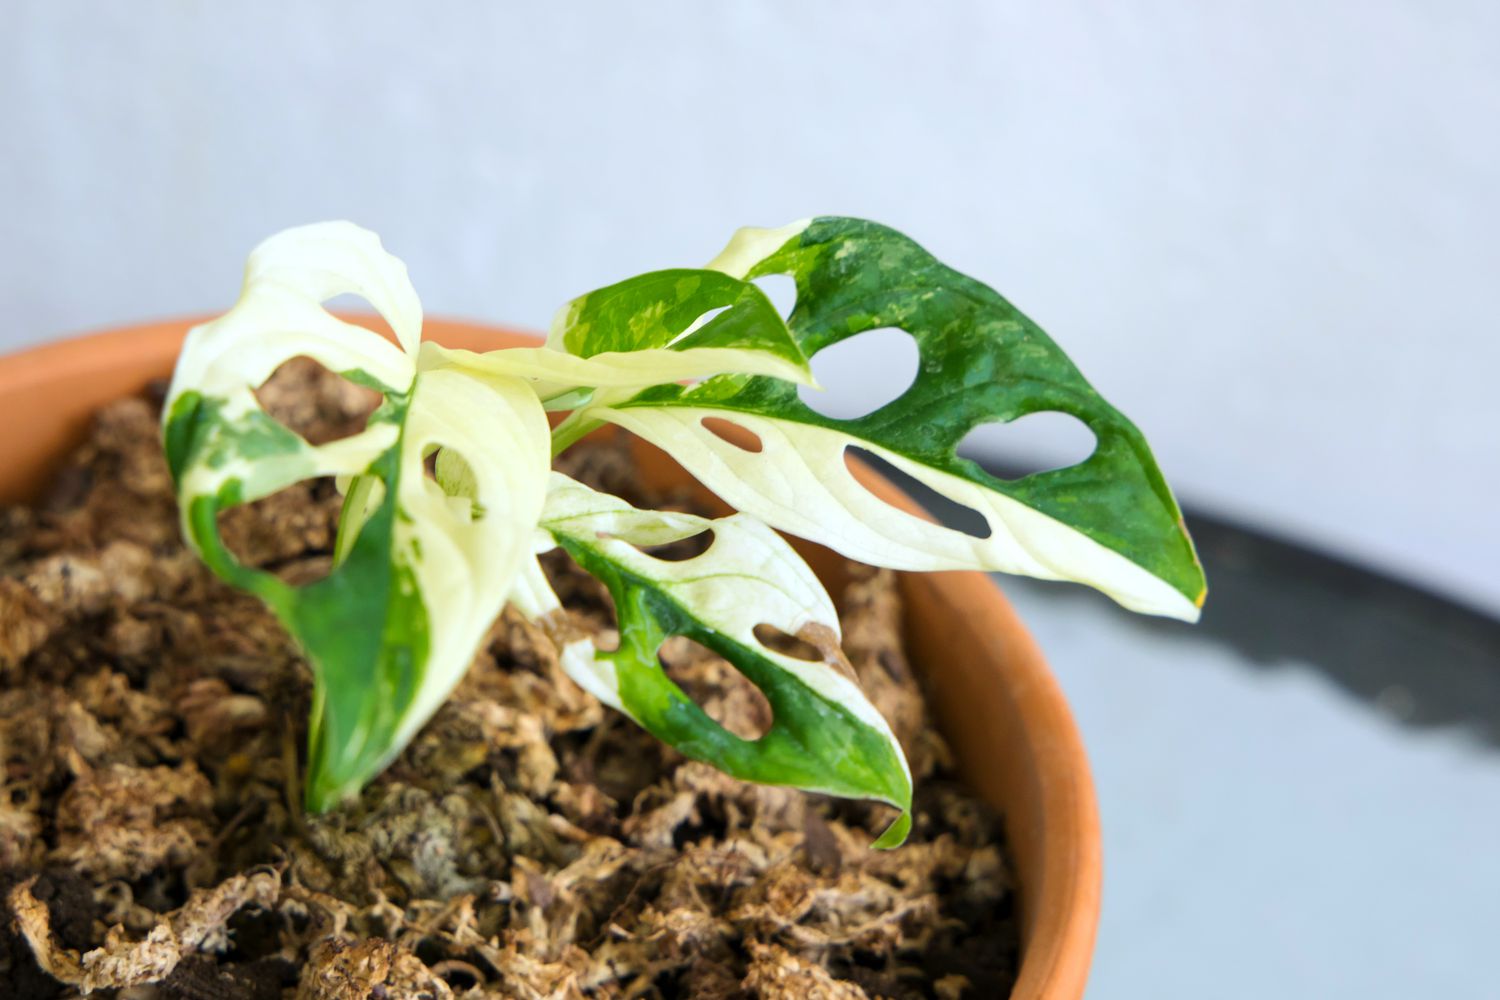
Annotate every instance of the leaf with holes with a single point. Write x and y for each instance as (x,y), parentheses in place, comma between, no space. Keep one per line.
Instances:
(1109,521)
(825,735)
(419,574)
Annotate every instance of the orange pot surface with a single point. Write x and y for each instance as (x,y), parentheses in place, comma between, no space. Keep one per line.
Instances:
(994,698)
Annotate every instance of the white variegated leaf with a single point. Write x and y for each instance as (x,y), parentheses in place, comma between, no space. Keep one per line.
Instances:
(825,734)
(418,574)
(554,372)
(800,481)
(467,548)
(1109,521)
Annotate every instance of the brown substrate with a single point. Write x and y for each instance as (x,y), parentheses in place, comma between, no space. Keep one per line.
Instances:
(528,844)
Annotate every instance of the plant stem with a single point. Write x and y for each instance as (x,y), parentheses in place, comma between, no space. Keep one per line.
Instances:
(575,426)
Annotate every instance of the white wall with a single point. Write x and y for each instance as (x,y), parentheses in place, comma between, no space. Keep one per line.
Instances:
(1267,231)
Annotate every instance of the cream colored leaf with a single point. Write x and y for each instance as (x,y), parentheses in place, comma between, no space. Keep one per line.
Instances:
(800,482)
(825,734)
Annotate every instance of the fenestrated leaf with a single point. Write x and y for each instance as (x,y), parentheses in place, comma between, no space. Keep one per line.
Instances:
(419,575)
(825,735)
(1109,521)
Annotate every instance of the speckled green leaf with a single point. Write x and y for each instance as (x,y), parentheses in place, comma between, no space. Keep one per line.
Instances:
(1109,521)
(672,309)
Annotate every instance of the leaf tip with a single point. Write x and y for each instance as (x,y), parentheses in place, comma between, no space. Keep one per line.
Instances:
(895,835)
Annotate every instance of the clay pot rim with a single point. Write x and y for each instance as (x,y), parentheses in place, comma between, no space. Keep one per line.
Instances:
(1060,890)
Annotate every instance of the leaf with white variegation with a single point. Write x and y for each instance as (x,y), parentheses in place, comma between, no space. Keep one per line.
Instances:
(665,326)
(825,735)
(1109,521)
(419,575)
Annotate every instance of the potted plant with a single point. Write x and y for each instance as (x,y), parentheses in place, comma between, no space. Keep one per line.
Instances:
(447,498)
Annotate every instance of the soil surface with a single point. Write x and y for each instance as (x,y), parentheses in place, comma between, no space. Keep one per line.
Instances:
(530,843)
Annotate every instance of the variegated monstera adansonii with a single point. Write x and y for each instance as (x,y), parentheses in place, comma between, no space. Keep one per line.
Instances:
(423,563)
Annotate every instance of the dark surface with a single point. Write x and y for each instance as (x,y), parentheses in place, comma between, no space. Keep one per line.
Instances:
(1411,654)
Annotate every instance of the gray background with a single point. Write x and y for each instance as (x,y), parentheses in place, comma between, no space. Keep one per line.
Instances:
(1266,231)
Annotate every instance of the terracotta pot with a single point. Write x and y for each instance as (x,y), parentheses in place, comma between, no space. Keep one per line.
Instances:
(995,699)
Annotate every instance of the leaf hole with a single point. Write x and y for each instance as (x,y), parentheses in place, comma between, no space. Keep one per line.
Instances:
(289,533)
(712,682)
(787,644)
(681,550)
(355,308)
(781,289)
(950,513)
(347,303)
(453,474)
(698,323)
(742,438)
(1032,443)
(862,373)
(586,598)
(316,404)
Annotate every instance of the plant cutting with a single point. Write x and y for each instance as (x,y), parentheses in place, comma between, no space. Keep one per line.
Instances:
(424,563)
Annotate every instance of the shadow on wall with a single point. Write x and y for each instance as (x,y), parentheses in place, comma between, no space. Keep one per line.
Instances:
(1410,655)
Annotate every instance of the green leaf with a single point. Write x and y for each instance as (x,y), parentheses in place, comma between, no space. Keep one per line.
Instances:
(1109,521)
(419,574)
(825,735)
(668,309)
(666,326)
